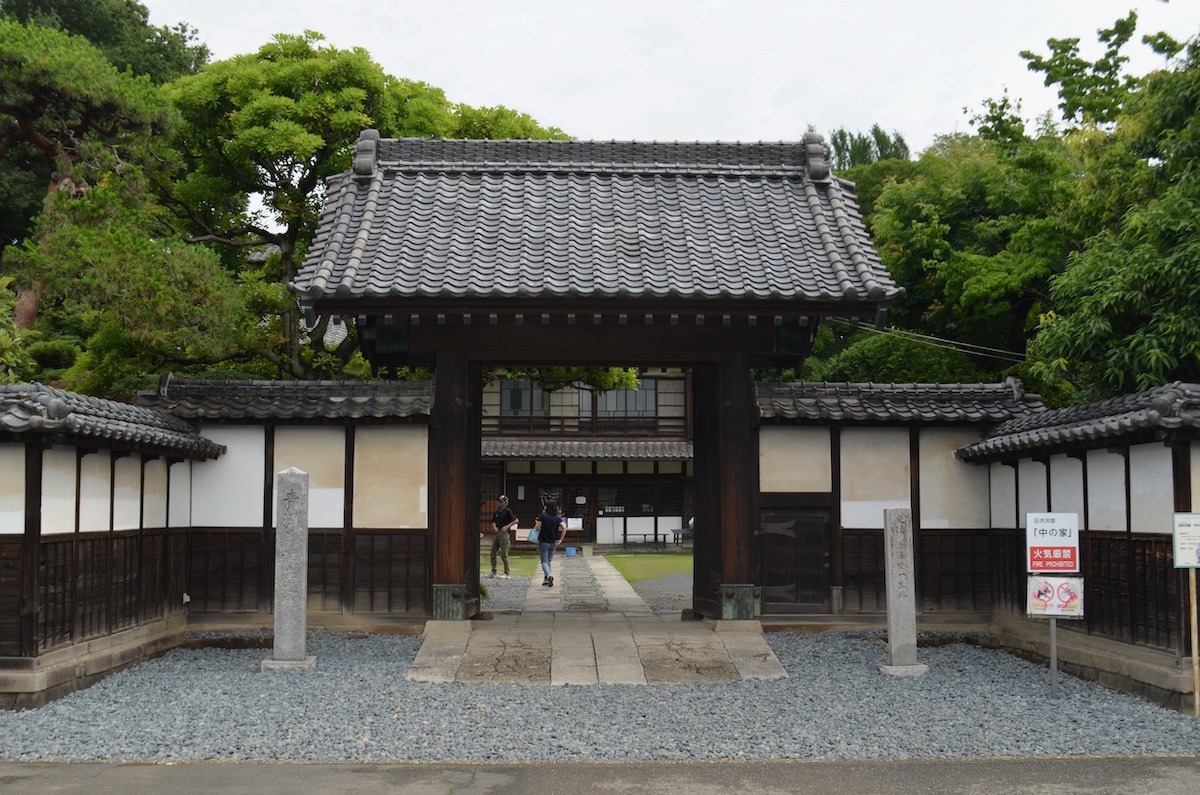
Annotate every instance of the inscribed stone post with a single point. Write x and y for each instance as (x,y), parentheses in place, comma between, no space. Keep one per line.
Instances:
(291,575)
(901,595)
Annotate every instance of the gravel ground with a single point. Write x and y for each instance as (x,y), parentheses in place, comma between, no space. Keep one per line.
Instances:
(214,704)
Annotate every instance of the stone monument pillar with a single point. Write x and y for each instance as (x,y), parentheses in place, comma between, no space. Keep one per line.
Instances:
(901,595)
(291,575)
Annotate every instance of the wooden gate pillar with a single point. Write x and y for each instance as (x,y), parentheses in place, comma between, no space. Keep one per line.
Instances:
(725,445)
(737,486)
(454,462)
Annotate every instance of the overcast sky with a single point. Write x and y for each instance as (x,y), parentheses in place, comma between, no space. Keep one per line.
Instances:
(710,70)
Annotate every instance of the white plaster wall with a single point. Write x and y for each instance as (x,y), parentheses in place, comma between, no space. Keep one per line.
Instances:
(639,525)
(58,490)
(794,459)
(1106,491)
(953,494)
(12,488)
(154,500)
(228,492)
(127,493)
(1031,480)
(875,474)
(321,452)
(1066,486)
(1004,493)
(1151,489)
(180,503)
(95,492)
(670,524)
(608,529)
(391,476)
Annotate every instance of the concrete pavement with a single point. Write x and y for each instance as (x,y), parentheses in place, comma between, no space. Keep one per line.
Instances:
(563,637)
(1146,775)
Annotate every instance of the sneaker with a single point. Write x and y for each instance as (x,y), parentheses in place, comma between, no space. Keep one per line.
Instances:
(504,576)
(550,581)
(492,576)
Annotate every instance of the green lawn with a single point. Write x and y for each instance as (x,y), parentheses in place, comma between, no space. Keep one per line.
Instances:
(634,566)
(522,560)
(638,566)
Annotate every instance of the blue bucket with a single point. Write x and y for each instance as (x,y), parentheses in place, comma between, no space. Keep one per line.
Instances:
(570,552)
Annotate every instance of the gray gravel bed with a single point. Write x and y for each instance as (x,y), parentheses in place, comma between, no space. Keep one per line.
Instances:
(214,704)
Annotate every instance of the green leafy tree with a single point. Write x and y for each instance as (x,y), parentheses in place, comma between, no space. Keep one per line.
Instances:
(883,357)
(16,363)
(1088,91)
(275,124)
(67,113)
(975,234)
(848,150)
(499,122)
(121,30)
(113,276)
(1127,310)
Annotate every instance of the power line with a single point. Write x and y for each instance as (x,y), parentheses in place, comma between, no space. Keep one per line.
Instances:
(954,345)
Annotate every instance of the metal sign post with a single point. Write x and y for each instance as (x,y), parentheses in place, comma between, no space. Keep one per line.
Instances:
(1052,548)
(1053,658)
(1195,645)
(1186,545)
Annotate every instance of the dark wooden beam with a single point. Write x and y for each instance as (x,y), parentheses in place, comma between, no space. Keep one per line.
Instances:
(31,548)
(738,464)
(707,547)
(585,343)
(347,534)
(454,463)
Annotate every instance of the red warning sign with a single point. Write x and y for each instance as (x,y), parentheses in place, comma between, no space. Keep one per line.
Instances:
(1053,559)
(1052,540)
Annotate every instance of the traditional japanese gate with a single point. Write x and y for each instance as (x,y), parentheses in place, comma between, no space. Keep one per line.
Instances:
(471,255)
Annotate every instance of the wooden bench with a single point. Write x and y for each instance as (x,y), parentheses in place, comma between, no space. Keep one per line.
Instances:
(648,539)
(683,534)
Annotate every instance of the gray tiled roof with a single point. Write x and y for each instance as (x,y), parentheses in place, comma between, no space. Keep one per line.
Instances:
(587,220)
(1166,408)
(290,400)
(896,403)
(588,449)
(35,410)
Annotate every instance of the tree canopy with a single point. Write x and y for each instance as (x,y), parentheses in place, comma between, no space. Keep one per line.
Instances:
(155,206)
(121,30)
(1127,311)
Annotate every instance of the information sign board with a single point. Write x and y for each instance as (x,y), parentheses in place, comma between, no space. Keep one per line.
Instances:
(1052,541)
(1187,540)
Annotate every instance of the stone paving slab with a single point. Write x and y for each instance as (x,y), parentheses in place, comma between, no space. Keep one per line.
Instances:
(628,644)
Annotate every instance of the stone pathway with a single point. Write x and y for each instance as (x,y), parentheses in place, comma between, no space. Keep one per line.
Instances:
(565,636)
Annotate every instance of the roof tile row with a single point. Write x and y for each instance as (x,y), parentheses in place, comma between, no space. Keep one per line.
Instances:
(1171,407)
(35,410)
(290,400)
(586,219)
(983,404)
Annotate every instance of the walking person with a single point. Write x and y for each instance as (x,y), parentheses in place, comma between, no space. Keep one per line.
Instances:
(551,530)
(503,521)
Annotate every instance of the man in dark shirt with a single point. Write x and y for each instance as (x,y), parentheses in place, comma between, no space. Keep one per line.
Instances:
(502,523)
